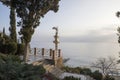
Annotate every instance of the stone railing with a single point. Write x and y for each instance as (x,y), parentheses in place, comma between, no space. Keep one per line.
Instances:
(46,53)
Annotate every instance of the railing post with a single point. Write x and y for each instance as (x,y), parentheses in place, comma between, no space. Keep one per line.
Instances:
(59,53)
(35,51)
(50,52)
(43,51)
(53,56)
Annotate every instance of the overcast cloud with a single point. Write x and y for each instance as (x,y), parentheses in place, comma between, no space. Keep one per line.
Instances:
(106,34)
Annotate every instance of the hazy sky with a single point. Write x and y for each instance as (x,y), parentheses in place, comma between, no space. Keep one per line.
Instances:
(78,20)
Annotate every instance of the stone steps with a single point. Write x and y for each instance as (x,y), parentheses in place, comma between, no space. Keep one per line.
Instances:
(50,68)
(56,72)
(37,63)
(53,70)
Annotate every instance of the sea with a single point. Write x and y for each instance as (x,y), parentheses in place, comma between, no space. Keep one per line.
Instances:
(83,54)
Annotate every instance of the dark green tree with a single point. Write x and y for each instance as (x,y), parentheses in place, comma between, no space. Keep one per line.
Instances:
(10,47)
(4,31)
(118,15)
(118,30)
(12,28)
(97,75)
(30,12)
(118,34)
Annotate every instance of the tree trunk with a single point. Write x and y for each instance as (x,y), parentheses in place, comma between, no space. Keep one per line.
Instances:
(26,52)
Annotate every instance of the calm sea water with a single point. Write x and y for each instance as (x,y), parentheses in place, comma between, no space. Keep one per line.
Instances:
(83,54)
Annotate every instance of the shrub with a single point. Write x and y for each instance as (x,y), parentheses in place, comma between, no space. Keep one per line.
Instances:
(8,58)
(108,78)
(8,48)
(71,78)
(97,75)
(7,45)
(10,69)
(11,47)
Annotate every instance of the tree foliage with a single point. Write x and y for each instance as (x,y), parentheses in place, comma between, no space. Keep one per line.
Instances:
(71,78)
(9,58)
(30,12)
(118,34)
(84,71)
(12,27)
(106,65)
(97,75)
(78,70)
(7,45)
(118,14)
(107,77)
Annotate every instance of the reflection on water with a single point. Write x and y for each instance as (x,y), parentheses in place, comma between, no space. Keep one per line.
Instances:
(84,53)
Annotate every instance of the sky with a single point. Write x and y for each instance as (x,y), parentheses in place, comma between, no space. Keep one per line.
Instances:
(77,20)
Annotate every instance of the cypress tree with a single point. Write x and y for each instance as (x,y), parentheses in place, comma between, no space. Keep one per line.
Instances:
(4,31)
(12,28)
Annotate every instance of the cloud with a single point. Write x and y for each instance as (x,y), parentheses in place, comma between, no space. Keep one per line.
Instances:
(90,38)
(105,34)
(101,35)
